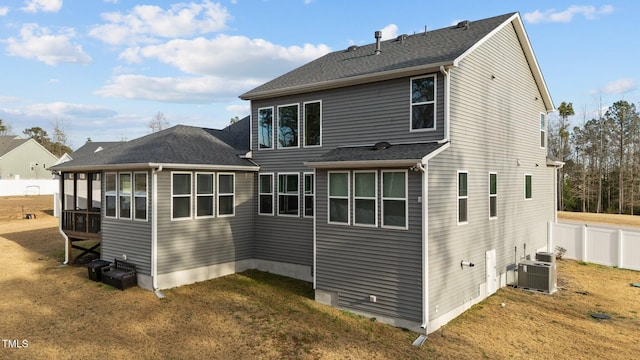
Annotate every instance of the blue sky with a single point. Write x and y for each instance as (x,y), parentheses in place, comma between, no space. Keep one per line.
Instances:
(103,68)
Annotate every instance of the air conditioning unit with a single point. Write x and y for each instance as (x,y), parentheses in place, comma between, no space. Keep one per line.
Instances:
(546,257)
(537,276)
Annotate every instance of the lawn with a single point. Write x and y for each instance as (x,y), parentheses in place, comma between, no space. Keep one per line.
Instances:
(62,314)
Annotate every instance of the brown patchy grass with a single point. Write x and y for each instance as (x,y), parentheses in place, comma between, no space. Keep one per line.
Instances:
(611,219)
(62,314)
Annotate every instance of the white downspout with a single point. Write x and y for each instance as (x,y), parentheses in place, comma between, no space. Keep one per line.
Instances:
(425,245)
(447,93)
(154,227)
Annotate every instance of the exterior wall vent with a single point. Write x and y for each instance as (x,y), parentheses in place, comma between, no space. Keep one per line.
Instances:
(537,276)
(463,24)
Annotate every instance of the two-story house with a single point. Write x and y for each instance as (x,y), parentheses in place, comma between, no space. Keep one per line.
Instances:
(404,162)
(401,178)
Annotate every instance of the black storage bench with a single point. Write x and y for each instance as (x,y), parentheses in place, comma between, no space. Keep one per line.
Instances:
(120,274)
(95,269)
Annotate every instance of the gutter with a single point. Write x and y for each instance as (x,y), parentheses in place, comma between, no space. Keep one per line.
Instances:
(154,227)
(106,167)
(447,103)
(60,213)
(422,166)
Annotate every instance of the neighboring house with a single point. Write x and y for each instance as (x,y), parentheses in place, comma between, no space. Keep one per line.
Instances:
(379,173)
(384,168)
(24,159)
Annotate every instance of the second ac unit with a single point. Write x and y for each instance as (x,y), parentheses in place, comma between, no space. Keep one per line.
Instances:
(546,257)
(537,276)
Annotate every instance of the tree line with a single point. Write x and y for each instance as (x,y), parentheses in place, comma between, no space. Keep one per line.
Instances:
(602,159)
(56,144)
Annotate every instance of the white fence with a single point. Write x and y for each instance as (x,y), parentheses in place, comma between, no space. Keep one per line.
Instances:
(605,246)
(28,187)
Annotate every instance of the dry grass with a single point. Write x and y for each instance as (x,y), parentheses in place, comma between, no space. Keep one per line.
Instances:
(62,314)
(611,219)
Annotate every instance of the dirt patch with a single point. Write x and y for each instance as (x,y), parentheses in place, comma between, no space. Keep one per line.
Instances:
(64,315)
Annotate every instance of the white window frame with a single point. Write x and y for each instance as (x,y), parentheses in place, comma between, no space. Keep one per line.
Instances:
(304,121)
(130,196)
(494,196)
(220,194)
(434,102)
(297,193)
(271,193)
(405,199)
(273,125)
(277,135)
(198,196)
(190,196)
(462,197)
(347,197)
(525,187)
(374,198)
(312,194)
(135,197)
(115,196)
(543,130)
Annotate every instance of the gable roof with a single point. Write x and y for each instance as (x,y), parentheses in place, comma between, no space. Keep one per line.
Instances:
(178,147)
(403,56)
(9,143)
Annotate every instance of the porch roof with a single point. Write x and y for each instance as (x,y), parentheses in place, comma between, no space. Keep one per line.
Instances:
(184,147)
(381,154)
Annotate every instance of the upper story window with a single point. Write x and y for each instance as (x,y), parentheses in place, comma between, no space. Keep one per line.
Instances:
(312,123)
(204,194)
(423,103)
(180,195)
(543,124)
(265,190)
(265,128)
(288,194)
(288,126)
(226,195)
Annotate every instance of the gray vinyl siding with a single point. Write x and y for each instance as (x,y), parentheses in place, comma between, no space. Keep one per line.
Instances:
(494,124)
(193,243)
(356,262)
(17,162)
(357,115)
(128,237)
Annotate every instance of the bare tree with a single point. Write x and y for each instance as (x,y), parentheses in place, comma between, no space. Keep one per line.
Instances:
(158,122)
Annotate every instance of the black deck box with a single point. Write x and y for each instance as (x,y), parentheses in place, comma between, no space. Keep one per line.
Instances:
(95,269)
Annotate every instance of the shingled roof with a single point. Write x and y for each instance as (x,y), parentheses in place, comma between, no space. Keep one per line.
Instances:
(179,146)
(406,55)
(10,142)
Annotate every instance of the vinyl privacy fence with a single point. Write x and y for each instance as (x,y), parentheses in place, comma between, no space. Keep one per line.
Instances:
(10,187)
(599,245)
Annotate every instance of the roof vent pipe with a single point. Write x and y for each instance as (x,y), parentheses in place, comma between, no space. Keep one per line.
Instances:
(378,35)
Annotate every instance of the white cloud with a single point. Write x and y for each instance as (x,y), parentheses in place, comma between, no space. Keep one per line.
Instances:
(38,43)
(619,86)
(588,11)
(67,110)
(4,10)
(239,110)
(235,56)
(202,90)
(389,32)
(42,5)
(147,23)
